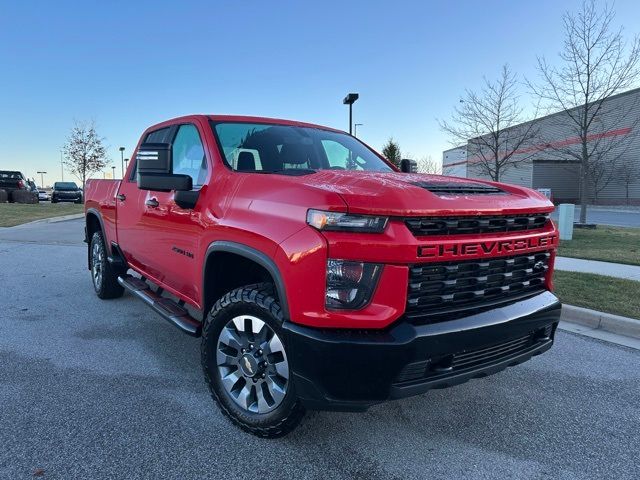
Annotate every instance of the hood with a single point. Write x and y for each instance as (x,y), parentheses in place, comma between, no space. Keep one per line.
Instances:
(404,194)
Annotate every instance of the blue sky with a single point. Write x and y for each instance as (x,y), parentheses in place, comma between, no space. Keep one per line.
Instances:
(128,64)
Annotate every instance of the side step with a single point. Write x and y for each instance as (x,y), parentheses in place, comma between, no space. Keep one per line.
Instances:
(166,307)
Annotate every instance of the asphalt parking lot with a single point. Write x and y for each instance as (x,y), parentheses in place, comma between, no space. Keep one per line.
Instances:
(106,389)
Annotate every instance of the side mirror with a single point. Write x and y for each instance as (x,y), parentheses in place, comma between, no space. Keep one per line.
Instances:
(164,182)
(154,158)
(408,166)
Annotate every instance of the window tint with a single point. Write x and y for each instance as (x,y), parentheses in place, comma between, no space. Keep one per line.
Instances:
(340,157)
(188,154)
(157,136)
(275,147)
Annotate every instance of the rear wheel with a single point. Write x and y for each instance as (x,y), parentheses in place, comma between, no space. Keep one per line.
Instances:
(104,276)
(246,365)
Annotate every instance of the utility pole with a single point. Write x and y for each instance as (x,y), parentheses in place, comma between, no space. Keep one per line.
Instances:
(62,165)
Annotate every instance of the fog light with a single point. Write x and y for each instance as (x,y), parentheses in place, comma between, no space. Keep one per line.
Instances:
(350,285)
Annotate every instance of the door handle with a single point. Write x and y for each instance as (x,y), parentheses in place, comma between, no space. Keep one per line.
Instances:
(152,202)
(121,196)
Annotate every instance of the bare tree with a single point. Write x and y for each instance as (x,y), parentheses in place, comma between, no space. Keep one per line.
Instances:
(427,164)
(492,125)
(628,173)
(596,64)
(84,152)
(391,151)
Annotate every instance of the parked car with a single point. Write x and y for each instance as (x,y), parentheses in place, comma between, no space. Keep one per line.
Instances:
(318,274)
(43,195)
(66,192)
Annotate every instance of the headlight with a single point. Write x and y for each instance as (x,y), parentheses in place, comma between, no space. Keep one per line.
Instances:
(350,285)
(345,222)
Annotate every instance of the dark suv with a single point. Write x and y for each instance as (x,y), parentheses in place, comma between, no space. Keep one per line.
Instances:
(66,192)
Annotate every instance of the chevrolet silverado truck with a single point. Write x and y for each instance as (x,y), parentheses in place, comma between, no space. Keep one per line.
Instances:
(317,274)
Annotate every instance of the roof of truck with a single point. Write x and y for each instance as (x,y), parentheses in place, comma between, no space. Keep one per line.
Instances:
(246,119)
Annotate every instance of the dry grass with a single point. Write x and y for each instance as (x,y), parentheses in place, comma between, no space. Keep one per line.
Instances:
(12,214)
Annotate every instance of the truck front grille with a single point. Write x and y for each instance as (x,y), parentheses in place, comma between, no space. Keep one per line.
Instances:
(448,290)
(421,226)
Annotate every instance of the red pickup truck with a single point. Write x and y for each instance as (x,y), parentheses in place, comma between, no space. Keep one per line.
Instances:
(319,275)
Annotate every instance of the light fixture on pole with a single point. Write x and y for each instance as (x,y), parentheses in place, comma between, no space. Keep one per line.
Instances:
(350,100)
(355,128)
(42,174)
(122,159)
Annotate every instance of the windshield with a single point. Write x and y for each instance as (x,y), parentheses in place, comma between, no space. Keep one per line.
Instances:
(65,186)
(260,147)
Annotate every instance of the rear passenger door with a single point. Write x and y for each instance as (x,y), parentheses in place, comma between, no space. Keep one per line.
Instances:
(131,210)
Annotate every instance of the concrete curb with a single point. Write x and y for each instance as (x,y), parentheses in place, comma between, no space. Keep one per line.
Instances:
(51,220)
(629,327)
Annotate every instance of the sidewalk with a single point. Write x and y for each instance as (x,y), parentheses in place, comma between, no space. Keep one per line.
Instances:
(629,272)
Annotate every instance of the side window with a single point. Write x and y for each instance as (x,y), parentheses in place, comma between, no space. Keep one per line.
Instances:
(188,155)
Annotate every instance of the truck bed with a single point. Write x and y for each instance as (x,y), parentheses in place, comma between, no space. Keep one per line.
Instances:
(100,195)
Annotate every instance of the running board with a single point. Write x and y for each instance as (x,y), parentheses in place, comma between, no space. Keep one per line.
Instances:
(166,307)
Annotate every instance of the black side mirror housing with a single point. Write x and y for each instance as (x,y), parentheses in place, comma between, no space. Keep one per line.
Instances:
(154,158)
(164,182)
(408,166)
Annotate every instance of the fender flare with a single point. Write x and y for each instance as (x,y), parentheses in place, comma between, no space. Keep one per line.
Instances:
(256,256)
(96,213)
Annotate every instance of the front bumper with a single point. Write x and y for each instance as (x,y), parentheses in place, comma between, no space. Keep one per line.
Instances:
(354,369)
(67,197)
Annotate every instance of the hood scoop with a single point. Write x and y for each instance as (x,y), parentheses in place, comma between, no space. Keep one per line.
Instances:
(458,188)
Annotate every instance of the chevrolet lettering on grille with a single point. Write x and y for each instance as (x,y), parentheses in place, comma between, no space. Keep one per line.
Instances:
(490,248)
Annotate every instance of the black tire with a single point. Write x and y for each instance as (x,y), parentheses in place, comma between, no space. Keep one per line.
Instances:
(256,301)
(54,200)
(4,196)
(106,284)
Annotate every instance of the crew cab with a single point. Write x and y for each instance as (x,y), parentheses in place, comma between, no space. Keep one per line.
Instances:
(319,275)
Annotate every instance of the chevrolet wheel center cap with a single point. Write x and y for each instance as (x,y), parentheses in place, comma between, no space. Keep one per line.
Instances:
(248,365)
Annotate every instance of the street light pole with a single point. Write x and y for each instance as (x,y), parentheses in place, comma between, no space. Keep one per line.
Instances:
(42,178)
(126,166)
(355,128)
(61,165)
(122,159)
(350,100)
(113,172)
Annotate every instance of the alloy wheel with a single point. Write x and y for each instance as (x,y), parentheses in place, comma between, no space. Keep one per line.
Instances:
(97,259)
(252,364)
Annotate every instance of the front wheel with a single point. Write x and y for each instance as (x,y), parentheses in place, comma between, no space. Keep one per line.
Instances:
(246,365)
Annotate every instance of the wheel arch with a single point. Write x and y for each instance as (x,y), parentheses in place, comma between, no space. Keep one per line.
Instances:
(248,256)
(93,223)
